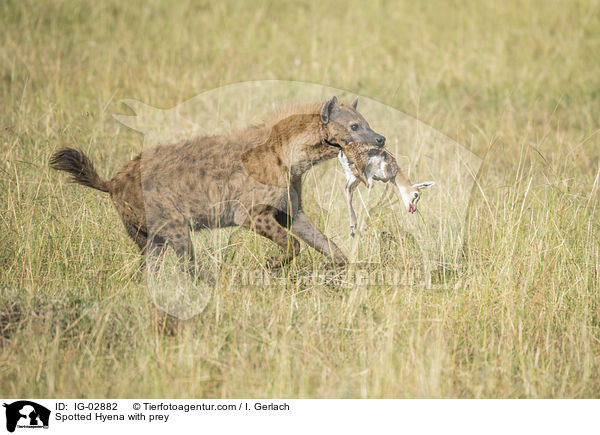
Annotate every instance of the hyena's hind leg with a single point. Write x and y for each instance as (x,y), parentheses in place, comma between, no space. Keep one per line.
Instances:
(269,223)
(169,228)
(140,237)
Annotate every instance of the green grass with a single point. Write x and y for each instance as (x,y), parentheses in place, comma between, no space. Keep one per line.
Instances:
(520,81)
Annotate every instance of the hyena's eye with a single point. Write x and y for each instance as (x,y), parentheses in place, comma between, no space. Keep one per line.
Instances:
(354,127)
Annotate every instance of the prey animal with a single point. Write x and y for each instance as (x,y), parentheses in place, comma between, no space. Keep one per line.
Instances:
(250,178)
(363,162)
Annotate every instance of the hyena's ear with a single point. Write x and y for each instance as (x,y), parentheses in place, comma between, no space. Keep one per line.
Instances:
(424,184)
(328,108)
(355,103)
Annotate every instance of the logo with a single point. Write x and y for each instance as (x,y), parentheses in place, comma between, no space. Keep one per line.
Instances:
(26,414)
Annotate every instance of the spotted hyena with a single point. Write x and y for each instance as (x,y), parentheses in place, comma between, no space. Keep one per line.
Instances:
(251,178)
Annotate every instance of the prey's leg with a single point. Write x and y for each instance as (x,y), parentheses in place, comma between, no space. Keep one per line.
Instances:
(349,191)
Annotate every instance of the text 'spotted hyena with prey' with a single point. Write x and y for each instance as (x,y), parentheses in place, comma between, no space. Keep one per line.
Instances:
(251,178)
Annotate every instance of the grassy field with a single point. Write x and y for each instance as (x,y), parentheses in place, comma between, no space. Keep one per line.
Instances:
(518,80)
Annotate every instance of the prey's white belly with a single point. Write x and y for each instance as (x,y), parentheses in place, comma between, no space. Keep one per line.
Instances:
(350,178)
(376,169)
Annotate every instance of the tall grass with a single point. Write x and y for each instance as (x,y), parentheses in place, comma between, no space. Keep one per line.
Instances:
(518,81)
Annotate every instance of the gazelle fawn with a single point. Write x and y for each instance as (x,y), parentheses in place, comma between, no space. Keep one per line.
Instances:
(365,163)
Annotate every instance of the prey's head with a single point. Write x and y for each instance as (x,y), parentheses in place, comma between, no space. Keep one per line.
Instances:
(343,125)
(412,194)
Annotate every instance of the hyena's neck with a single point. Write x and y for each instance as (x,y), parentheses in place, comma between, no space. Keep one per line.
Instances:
(292,148)
(300,142)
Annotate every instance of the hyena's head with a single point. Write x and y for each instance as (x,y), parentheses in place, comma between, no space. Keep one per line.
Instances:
(344,125)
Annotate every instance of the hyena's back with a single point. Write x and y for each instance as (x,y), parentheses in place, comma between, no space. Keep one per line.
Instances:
(203,180)
(200,181)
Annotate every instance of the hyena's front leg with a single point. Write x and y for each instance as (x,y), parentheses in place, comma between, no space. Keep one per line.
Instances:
(265,224)
(306,231)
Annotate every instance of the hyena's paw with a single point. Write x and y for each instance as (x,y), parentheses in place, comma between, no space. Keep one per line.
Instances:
(199,274)
(340,261)
(207,277)
(352,230)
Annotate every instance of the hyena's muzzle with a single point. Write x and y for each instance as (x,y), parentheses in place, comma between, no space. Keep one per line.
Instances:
(345,125)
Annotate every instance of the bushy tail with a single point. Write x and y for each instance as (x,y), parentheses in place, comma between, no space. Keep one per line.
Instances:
(79,166)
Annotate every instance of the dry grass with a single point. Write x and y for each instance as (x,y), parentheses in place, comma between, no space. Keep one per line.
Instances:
(522,80)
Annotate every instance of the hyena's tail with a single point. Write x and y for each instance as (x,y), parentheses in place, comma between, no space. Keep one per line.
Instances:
(79,166)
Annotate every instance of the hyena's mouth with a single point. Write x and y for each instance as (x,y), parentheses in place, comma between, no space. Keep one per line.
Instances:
(333,144)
